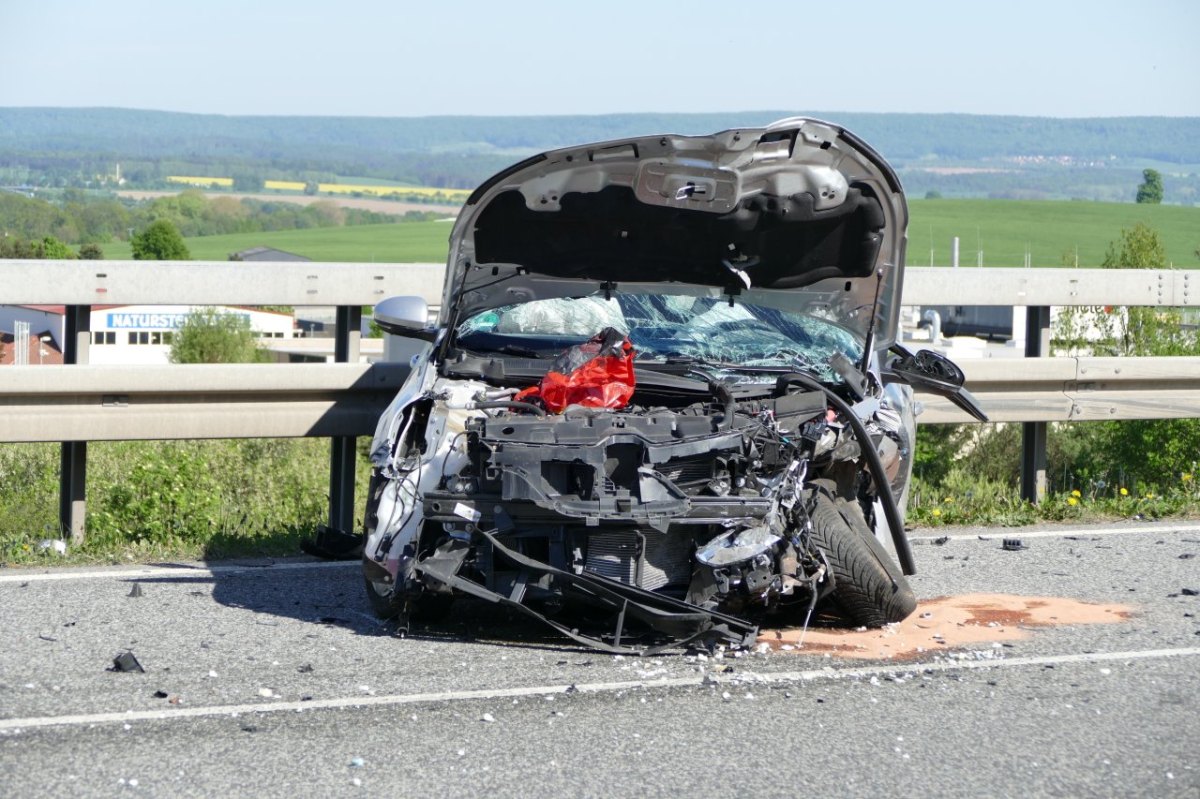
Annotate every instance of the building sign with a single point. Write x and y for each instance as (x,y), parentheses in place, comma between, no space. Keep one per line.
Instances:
(152,321)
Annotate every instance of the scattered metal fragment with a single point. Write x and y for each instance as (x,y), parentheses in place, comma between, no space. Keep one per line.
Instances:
(305,669)
(47,638)
(126,662)
(1189,591)
(1013,545)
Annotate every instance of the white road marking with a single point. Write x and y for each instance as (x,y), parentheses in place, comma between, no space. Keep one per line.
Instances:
(882,669)
(159,572)
(1073,533)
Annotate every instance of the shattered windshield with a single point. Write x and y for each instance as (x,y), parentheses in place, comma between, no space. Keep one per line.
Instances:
(663,327)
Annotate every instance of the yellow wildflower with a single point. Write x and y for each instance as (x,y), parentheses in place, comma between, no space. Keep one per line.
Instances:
(1072,501)
(1076,493)
(948,500)
(937,512)
(1186,477)
(1124,492)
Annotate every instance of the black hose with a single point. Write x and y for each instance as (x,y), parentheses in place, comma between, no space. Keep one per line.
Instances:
(891,512)
(525,406)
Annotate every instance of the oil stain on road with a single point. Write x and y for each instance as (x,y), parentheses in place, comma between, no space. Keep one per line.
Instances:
(947,623)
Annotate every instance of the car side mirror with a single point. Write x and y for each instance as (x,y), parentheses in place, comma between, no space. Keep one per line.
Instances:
(933,372)
(404,316)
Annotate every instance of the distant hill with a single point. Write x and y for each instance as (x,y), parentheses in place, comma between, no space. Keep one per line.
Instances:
(956,154)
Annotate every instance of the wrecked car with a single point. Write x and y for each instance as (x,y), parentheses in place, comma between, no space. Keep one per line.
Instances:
(663,390)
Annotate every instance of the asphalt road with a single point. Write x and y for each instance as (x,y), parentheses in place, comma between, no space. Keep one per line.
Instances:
(275,680)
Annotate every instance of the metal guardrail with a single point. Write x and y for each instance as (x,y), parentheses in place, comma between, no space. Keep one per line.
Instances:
(128,403)
(306,283)
(1076,390)
(79,403)
(940,285)
(202,401)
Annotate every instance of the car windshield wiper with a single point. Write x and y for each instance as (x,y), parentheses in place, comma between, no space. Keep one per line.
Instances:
(692,361)
(516,349)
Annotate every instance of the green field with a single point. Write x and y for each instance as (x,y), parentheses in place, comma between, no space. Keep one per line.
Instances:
(1004,229)
(403,242)
(1050,230)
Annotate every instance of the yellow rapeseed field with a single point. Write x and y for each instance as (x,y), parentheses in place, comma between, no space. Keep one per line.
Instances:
(194,180)
(453,195)
(445,195)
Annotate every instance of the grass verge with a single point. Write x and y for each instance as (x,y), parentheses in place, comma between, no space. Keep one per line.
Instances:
(171,500)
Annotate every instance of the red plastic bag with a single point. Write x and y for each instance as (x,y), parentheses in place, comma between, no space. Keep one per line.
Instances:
(595,374)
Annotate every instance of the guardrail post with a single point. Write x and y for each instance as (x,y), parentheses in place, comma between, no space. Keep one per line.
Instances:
(1033,434)
(342,454)
(72,475)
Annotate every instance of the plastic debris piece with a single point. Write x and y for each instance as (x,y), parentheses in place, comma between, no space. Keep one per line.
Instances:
(1013,545)
(1190,591)
(161,694)
(942,541)
(56,544)
(135,591)
(305,669)
(126,662)
(488,717)
(357,762)
(266,693)
(596,374)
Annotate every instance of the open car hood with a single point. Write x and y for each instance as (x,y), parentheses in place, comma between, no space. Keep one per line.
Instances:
(800,215)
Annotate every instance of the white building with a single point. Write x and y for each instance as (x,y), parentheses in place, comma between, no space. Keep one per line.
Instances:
(138,334)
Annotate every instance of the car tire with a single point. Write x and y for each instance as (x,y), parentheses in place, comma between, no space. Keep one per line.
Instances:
(868,585)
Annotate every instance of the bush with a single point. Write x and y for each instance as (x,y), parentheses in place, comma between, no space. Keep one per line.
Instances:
(209,336)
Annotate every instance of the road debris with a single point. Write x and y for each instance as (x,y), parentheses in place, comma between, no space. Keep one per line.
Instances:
(135,591)
(53,544)
(126,662)
(1013,545)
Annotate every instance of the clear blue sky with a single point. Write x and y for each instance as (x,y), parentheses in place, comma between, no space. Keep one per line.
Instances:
(425,57)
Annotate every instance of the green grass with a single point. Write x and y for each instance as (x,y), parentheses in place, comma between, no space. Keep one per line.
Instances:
(402,242)
(1003,227)
(156,500)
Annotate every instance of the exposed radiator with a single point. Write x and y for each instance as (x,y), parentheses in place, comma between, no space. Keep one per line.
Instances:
(667,559)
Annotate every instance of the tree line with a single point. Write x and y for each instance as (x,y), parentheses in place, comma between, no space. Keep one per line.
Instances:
(70,147)
(79,218)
